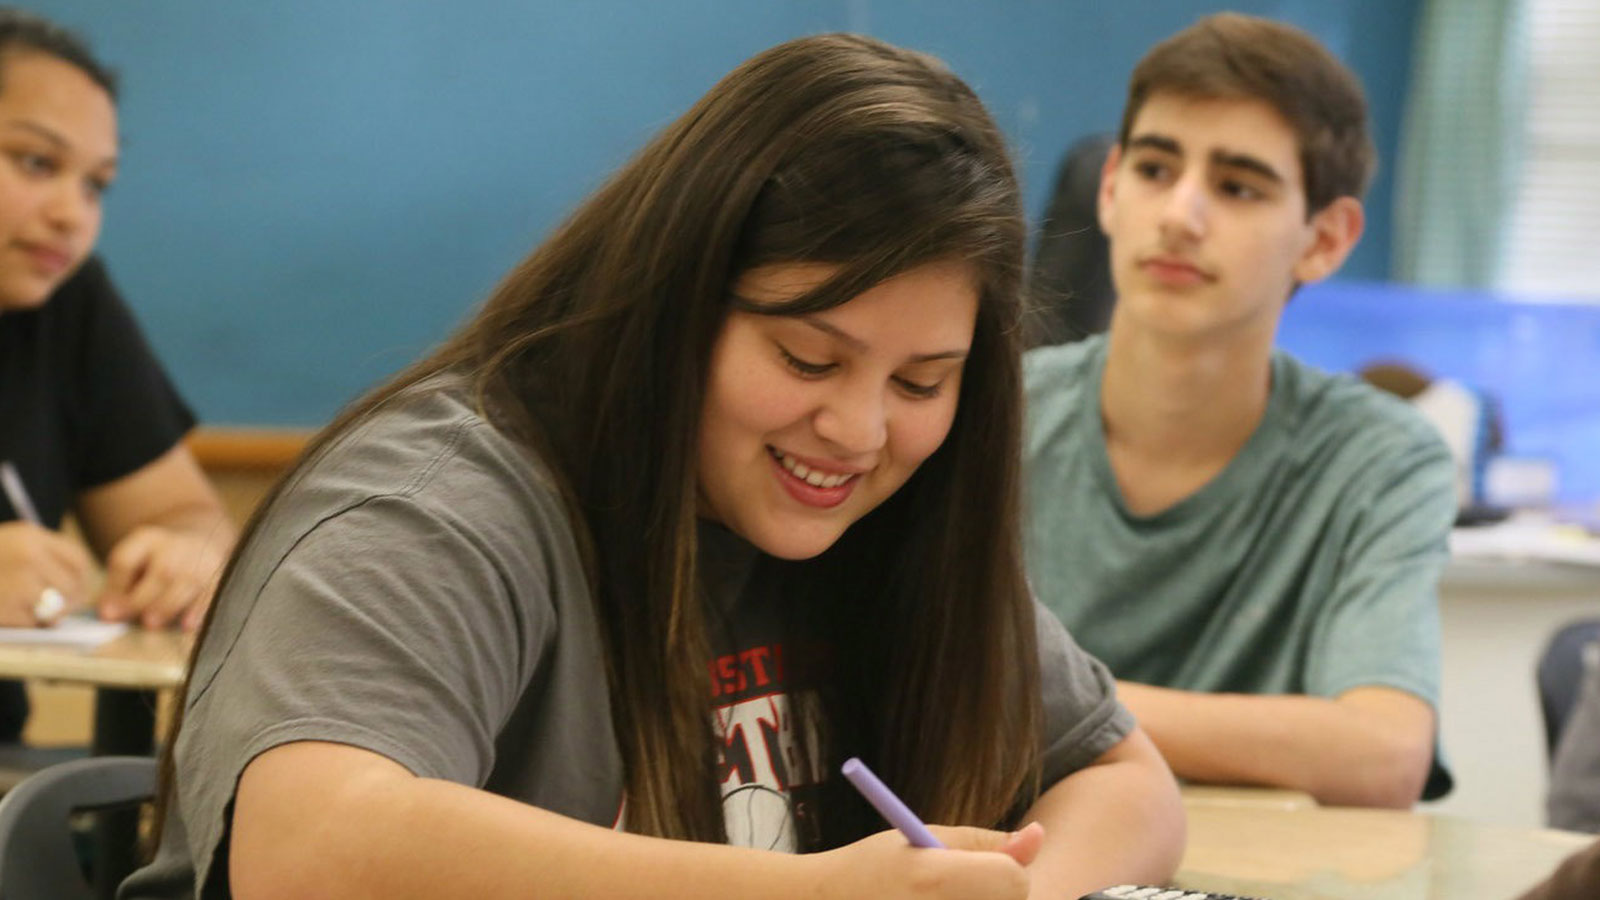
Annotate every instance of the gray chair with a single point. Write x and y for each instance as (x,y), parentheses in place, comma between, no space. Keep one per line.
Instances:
(39,855)
(1560,676)
(1070,280)
(19,761)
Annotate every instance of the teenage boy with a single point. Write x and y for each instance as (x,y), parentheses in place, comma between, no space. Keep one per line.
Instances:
(1250,544)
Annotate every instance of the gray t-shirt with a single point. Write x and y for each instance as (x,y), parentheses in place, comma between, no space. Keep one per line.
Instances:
(418,592)
(1309,565)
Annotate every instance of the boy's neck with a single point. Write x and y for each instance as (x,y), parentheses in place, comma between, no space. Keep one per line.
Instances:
(1178,409)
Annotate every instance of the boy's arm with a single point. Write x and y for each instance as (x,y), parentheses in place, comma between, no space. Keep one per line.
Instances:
(1370,746)
(1366,743)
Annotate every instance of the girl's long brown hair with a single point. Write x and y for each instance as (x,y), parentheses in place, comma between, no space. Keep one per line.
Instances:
(838,149)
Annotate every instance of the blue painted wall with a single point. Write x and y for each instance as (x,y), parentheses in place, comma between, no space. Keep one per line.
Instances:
(1540,359)
(314,191)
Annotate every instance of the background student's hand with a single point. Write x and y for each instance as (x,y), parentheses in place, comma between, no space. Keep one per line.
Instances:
(157,576)
(979,865)
(33,558)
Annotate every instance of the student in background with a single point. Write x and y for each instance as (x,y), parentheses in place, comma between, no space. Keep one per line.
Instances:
(88,420)
(719,489)
(1249,544)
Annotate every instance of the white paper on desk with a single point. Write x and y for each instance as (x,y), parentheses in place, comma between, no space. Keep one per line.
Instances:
(1527,537)
(72,631)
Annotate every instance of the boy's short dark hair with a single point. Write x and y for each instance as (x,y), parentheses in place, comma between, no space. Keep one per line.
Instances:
(25,32)
(1233,56)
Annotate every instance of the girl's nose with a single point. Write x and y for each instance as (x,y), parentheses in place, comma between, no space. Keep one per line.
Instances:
(854,420)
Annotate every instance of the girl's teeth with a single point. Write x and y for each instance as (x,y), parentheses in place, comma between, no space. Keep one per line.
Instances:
(809,476)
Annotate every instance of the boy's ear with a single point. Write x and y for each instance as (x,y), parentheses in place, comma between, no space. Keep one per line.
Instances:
(1334,232)
(1108,178)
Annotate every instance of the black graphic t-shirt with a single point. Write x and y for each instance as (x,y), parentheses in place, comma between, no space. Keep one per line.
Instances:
(769,758)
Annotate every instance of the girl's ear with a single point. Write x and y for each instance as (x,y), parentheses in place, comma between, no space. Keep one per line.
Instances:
(1334,232)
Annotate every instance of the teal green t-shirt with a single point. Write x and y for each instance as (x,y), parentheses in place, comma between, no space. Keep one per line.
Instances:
(1309,565)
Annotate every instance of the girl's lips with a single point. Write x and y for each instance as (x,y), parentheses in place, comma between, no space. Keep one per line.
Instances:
(807,493)
(48,260)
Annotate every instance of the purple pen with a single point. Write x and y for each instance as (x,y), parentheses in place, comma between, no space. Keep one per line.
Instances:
(887,804)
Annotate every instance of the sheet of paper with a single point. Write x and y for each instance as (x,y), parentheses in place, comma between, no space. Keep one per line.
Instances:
(72,631)
(1527,537)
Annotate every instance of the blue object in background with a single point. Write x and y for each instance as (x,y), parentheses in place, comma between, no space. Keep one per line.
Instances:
(314,191)
(1540,359)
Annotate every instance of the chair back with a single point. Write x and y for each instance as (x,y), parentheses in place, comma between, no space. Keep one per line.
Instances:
(1069,282)
(1560,675)
(39,857)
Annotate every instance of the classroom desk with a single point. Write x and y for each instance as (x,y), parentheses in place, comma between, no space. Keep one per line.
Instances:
(1274,845)
(125,672)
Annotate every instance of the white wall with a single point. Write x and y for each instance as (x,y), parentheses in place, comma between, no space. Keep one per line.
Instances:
(1496,621)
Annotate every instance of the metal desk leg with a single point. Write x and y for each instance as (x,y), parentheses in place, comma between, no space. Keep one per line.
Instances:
(124,725)
(124,722)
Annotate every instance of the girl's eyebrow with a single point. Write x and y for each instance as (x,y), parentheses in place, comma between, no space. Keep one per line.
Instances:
(38,130)
(860,346)
(51,135)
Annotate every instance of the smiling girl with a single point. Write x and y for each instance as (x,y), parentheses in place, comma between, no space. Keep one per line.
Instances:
(718,489)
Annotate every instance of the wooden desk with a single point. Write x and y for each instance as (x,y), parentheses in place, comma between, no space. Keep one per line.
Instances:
(149,660)
(125,672)
(1266,848)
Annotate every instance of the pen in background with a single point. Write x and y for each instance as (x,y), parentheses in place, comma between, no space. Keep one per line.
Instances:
(17,494)
(51,603)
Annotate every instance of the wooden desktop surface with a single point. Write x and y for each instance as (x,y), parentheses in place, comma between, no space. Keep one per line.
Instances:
(139,659)
(1282,846)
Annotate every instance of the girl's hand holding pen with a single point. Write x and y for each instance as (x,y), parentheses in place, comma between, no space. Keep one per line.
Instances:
(33,559)
(979,864)
(917,860)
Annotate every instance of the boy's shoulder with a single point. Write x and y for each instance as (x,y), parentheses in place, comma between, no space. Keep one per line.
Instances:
(1057,382)
(1061,374)
(1324,407)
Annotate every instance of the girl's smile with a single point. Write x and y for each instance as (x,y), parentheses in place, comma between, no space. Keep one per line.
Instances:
(813,485)
(811,421)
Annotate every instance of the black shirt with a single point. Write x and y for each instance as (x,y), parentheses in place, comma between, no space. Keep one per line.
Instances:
(83,402)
